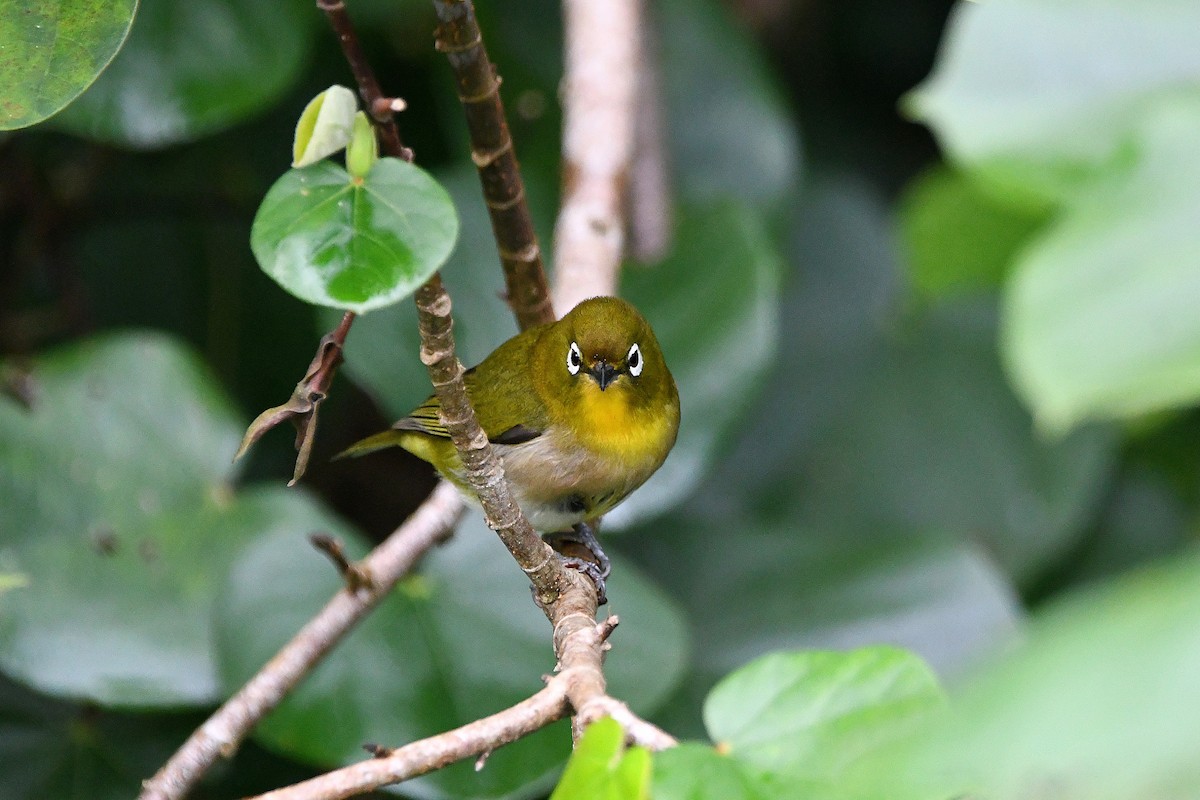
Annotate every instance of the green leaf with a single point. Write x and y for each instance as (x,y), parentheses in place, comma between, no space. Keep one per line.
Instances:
(1099,701)
(325,126)
(601,768)
(120,513)
(1100,318)
(354,243)
(958,239)
(1039,95)
(363,149)
(811,715)
(190,69)
(697,772)
(51,51)
(457,642)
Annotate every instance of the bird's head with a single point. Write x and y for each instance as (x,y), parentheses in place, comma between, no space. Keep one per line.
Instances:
(602,356)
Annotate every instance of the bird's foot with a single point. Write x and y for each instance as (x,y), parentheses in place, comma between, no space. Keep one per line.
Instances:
(580,550)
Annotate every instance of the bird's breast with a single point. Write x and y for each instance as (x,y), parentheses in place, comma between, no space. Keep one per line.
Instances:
(610,425)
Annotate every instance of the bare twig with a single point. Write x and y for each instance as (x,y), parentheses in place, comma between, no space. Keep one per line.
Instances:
(598,111)
(357,576)
(458,36)
(578,681)
(225,729)
(474,738)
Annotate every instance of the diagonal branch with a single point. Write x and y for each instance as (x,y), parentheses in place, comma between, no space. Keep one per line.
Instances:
(575,685)
(228,726)
(484,472)
(459,37)
(418,758)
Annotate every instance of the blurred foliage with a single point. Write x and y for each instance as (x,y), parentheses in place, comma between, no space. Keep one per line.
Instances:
(50,53)
(938,404)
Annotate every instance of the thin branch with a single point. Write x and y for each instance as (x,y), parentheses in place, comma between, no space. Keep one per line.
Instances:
(579,680)
(599,98)
(228,726)
(380,108)
(418,758)
(459,37)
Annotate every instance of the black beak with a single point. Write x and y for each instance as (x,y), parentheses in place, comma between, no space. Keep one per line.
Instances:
(604,373)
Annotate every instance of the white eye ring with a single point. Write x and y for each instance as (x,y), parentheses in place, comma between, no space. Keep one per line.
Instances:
(574,359)
(634,361)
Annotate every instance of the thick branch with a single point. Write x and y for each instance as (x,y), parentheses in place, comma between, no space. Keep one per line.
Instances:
(224,731)
(459,37)
(599,98)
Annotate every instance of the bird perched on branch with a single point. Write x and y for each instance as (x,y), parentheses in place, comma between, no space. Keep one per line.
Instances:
(580,411)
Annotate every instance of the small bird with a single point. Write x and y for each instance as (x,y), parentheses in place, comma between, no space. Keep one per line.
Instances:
(580,411)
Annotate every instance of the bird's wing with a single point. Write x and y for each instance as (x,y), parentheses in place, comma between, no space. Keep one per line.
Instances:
(426,418)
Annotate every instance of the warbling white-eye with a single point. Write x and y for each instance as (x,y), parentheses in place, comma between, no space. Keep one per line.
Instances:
(580,411)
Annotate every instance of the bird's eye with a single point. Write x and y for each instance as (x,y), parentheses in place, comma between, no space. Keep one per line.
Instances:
(574,359)
(634,361)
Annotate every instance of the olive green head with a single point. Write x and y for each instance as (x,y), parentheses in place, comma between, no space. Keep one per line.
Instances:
(602,358)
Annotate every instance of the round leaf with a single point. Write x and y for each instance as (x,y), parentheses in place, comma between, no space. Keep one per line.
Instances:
(354,243)
(870,425)
(119,514)
(459,641)
(189,69)
(51,51)
(812,714)
(936,440)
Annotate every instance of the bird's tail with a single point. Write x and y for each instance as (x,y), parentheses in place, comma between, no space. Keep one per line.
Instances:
(388,438)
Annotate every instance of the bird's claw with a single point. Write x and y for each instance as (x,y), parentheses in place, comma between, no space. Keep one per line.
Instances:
(595,564)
